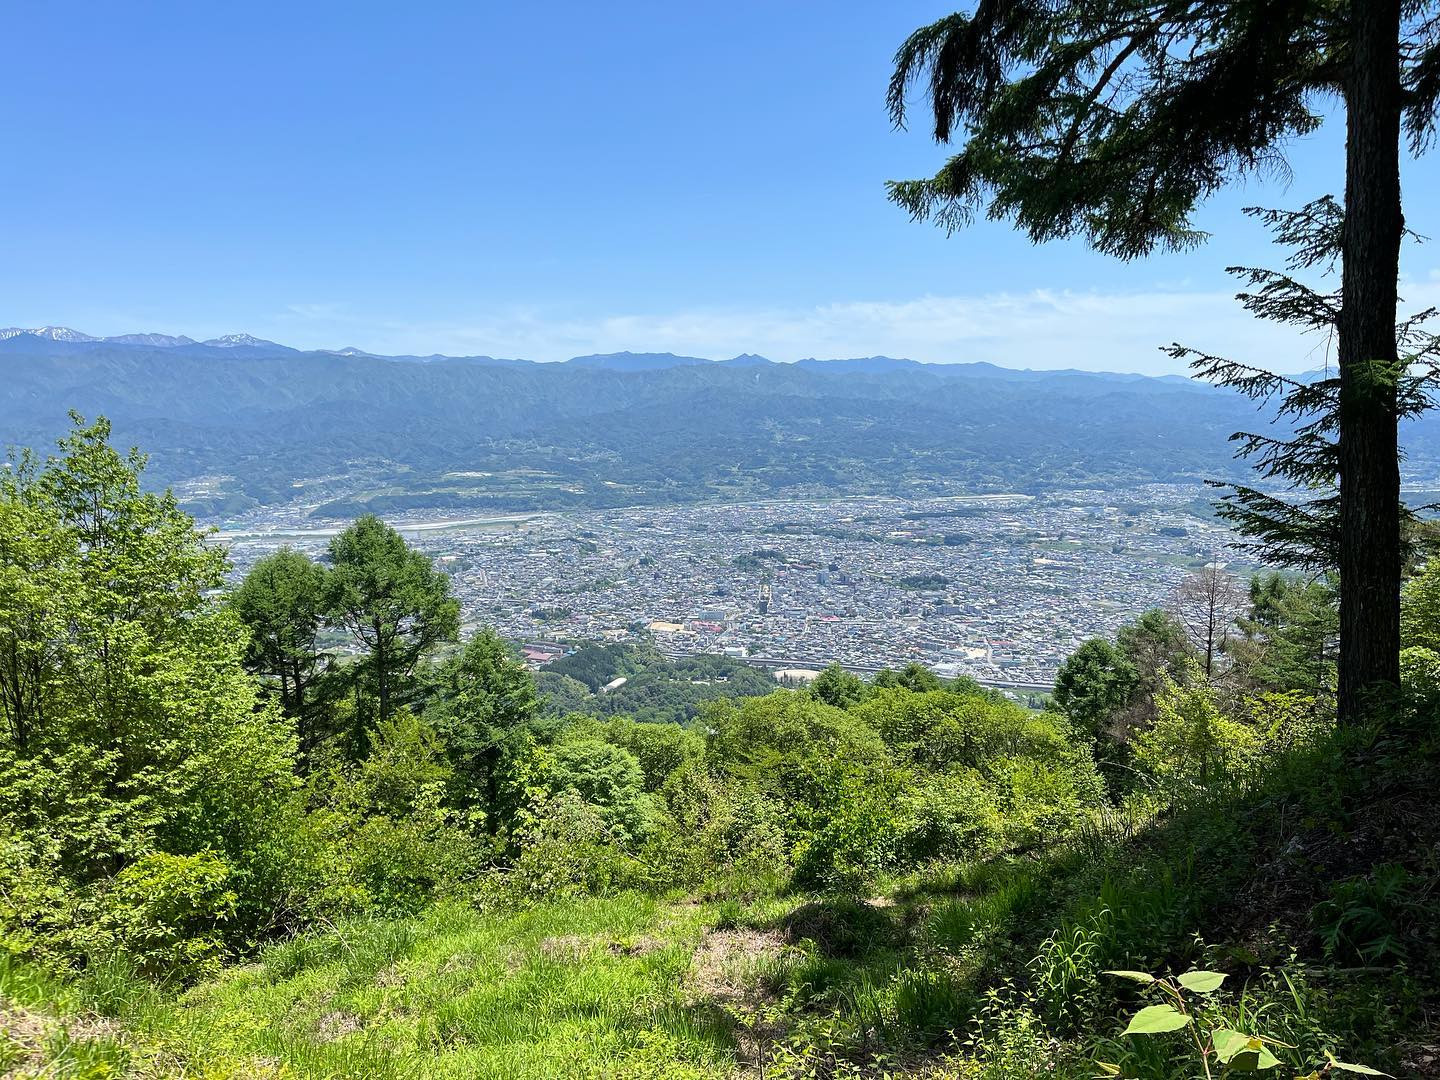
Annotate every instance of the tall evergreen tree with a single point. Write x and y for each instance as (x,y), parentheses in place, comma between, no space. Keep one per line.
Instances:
(282,602)
(1294,520)
(393,601)
(1287,641)
(479,700)
(1113,119)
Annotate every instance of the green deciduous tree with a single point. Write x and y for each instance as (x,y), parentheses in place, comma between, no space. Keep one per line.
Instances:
(912,676)
(1191,743)
(1112,120)
(605,777)
(1156,645)
(1420,615)
(767,739)
(39,591)
(394,603)
(838,687)
(132,725)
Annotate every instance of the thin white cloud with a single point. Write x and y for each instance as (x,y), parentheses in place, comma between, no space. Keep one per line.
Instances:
(1043,328)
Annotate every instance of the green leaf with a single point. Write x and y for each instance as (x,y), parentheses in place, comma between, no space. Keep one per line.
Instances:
(1363,1070)
(1253,1061)
(1228,1043)
(1241,1052)
(1154,1019)
(1202,982)
(1135,976)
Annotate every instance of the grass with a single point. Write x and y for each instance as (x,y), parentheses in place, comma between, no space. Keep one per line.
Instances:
(47,1028)
(594,987)
(990,970)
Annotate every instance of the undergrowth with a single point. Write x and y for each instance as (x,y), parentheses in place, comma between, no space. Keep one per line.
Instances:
(1313,889)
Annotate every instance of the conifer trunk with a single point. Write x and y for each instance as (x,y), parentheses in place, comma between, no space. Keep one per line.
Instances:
(1370,562)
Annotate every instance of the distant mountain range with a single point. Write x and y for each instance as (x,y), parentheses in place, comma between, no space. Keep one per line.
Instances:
(619,361)
(153,341)
(238,421)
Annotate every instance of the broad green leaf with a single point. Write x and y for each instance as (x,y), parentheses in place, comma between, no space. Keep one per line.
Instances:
(1154,1019)
(1363,1070)
(1241,1052)
(1253,1061)
(1107,1069)
(1136,976)
(1228,1043)
(1202,982)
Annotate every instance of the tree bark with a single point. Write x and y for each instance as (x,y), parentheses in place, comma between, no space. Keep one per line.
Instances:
(382,671)
(1370,564)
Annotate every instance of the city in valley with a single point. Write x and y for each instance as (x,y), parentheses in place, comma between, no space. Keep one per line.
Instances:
(999,587)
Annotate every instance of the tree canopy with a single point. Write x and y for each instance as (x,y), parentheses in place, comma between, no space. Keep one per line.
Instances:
(392,600)
(1113,120)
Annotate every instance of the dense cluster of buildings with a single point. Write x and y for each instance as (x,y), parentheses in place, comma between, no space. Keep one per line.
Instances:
(999,587)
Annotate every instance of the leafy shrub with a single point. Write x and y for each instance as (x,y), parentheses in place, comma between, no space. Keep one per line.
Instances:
(1420,673)
(1192,745)
(380,833)
(605,777)
(41,914)
(168,912)
(1041,802)
(951,815)
(708,829)
(567,848)
(770,741)
(944,727)
(846,828)
(659,749)
(1202,1030)
(1287,721)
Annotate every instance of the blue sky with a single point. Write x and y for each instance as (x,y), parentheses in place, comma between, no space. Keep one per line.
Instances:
(547,180)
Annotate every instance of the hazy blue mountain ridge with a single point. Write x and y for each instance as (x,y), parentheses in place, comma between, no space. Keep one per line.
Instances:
(616,428)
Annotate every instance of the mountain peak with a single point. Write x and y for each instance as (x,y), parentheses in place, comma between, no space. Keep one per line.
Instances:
(155,341)
(232,341)
(49,333)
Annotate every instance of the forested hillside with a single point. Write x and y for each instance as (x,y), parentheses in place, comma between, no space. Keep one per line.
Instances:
(654,689)
(224,852)
(482,434)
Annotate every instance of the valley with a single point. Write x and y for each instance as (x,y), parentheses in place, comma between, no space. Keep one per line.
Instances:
(998,587)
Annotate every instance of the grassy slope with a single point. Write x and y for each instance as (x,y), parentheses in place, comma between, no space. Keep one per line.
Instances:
(51,1029)
(1008,952)
(589,987)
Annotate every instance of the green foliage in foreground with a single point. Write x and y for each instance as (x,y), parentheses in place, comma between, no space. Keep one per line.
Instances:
(1188,1005)
(988,968)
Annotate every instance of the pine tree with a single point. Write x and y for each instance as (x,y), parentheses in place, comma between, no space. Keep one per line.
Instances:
(1113,119)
